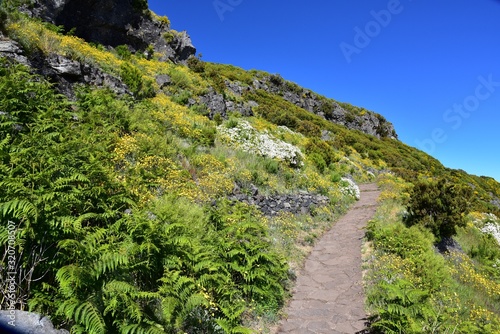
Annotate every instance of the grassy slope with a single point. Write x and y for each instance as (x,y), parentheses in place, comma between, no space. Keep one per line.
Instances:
(161,159)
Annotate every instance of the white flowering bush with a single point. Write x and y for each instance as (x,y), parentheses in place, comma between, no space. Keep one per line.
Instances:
(349,188)
(488,223)
(243,136)
(493,229)
(492,226)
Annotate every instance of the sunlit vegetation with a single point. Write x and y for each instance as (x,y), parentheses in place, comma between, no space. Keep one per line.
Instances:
(124,226)
(412,288)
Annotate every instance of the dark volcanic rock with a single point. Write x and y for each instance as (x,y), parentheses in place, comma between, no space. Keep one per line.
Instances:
(369,122)
(113,23)
(11,49)
(64,66)
(215,103)
(301,203)
(62,71)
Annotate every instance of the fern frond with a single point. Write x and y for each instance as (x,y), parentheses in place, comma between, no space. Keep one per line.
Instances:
(92,240)
(68,307)
(89,316)
(18,208)
(109,262)
(142,329)
(69,278)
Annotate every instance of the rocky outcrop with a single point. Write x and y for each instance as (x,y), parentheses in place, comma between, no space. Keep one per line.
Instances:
(367,122)
(62,71)
(219,104)
(115,22)
(22,322)
(11,49)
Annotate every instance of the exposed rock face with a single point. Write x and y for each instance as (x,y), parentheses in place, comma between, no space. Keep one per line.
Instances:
(217,104)
(63,71)
(369,123)
(26,323)
(113,23)
(11,49)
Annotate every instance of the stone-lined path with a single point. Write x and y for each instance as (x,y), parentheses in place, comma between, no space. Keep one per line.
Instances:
(328,297)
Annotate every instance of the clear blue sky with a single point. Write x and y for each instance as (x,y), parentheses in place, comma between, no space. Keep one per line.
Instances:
(430,67)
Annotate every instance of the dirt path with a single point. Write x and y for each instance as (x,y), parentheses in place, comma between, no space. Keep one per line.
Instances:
(328,296)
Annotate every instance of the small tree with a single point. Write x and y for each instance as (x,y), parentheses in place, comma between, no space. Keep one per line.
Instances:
(439,205)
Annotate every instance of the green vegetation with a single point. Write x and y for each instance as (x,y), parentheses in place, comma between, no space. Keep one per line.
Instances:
(439,205)
(123,223)
(411,288)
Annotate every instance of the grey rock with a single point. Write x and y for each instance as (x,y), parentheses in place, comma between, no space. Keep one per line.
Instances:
(9,46)
(215,103)
(163,80)
(236,189)
(63,65)
(252,104)
(236,87)
(28,323)
(326,135)
(183,46)
(95,76)
(369,123)
(299,203)
(11,49)
(254,190)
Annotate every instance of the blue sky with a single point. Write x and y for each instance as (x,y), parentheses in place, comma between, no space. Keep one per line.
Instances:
(430,67)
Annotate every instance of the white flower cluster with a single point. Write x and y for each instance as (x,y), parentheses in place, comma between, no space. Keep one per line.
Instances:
(493,228)
(245,137)
(350,188)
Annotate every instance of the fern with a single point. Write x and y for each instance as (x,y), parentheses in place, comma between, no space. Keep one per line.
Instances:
(89,316)
(403,309)
(20,209)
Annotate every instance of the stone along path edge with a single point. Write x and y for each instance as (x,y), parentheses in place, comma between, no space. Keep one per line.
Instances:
(328,295)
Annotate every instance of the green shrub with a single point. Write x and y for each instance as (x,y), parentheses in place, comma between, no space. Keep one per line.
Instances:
(123,52)
(318,161)
(141,87)
(169,36)
(335,177)
(218,82)
(182,97)
(179,78)
(271,166)
(309,129)
(439,205)
(196,64)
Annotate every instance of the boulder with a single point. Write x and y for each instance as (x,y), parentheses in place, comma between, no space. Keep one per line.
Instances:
(22,322)
(163,80)
(64,66)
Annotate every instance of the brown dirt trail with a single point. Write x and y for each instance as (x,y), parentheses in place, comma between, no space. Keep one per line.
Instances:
(328,295)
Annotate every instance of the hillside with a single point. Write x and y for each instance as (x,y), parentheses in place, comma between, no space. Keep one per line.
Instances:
(143,190)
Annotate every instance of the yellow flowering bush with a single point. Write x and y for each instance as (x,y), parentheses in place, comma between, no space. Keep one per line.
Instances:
(468,274)
(393,188)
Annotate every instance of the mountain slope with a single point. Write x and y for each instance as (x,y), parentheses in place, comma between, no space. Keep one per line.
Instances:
(157,196)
